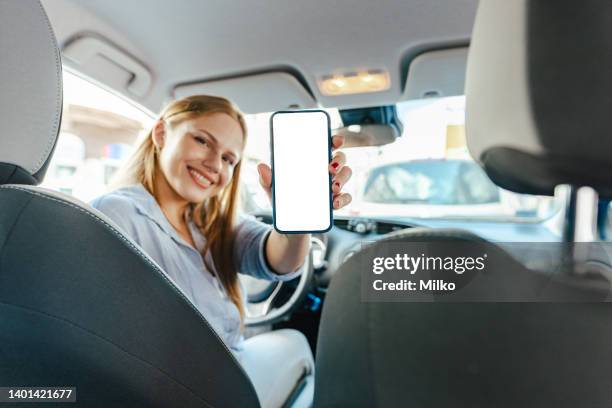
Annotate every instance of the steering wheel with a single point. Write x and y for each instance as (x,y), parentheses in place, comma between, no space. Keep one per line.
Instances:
(261,294)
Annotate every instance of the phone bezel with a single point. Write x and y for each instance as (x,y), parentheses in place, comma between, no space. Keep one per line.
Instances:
(329,147)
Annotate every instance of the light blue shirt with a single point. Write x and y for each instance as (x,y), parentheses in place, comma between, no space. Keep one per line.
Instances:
(137,213)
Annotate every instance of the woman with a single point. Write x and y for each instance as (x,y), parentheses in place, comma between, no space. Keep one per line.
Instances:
(178,201)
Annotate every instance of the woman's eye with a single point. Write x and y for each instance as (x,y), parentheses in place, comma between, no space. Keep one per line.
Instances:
(200,140)
(228,160)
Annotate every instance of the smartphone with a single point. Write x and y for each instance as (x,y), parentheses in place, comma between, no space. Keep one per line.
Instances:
(301,182)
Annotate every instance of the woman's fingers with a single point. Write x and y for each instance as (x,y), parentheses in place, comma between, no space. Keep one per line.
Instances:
(337,163)
(342,200)
(341,174)
(341,178)
(265,174)
(265,178)
(337,142)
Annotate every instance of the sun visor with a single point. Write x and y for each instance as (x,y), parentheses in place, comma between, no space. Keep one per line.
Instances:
(103,61)
(437,74)
(256,93)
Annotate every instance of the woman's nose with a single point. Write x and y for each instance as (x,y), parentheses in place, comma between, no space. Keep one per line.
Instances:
(213,161)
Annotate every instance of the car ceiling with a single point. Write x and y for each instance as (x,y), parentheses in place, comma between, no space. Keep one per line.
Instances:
(186,41)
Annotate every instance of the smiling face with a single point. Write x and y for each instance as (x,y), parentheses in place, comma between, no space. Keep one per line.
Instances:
(197,156)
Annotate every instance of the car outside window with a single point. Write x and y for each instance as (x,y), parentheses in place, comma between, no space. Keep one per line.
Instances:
(434,182)
(426,173)
(97,134)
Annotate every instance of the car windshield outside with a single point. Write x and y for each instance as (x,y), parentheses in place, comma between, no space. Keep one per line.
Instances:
(426,173)
(431,182)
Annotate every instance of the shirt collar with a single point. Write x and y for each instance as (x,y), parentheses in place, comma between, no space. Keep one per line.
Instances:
(147,206)
(197,236)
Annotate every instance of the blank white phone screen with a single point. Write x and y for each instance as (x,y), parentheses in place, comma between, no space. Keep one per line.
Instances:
(300,162)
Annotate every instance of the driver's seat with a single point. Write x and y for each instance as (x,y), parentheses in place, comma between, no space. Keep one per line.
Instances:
(538,103)
(80,304)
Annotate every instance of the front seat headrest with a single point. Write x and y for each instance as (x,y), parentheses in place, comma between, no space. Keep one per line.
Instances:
(31,92)
(539,94)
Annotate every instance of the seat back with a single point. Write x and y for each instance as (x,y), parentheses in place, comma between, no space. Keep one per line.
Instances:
(80,304)
(451,351)
(536,117)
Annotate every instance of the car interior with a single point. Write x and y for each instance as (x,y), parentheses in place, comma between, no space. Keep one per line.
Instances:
(465,121)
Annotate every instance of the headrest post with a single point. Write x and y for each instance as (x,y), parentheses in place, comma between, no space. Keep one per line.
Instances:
(580,207)
(585,217)
(566,196)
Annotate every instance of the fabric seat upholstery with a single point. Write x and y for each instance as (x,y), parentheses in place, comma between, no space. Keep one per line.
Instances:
(80,304)
(536,117)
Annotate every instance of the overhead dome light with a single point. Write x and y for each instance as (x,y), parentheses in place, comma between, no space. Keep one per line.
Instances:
(374,80)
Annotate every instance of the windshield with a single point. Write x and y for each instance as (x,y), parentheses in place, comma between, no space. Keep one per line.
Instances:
(426,173)
(434,182)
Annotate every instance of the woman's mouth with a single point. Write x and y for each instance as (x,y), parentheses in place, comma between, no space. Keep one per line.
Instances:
(199,178)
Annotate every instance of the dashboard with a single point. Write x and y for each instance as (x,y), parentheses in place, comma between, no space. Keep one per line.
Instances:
(331,249)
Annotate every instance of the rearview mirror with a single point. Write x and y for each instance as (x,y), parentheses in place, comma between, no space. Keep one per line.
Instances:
(373,126)
(367,135)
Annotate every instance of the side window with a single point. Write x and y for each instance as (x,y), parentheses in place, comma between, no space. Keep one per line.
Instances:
(98,132)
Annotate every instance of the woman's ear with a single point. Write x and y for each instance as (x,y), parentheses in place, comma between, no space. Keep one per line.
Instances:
(159,134)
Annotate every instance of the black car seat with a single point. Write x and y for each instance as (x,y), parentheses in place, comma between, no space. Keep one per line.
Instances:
(80,304)
(538,105)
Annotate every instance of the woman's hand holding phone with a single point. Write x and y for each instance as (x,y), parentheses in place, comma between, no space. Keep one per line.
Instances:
(341,173)
(302,192)
(286,252)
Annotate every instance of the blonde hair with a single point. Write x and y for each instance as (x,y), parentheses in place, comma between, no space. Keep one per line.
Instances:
(216,216)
